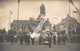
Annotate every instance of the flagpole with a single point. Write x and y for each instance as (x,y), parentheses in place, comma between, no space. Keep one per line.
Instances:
(69,10)
(18,12)
(79,8)
(74,6)
(79,5)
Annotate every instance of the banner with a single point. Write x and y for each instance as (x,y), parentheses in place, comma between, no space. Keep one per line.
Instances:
(39,26)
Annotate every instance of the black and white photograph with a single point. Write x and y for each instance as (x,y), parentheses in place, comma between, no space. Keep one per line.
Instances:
(39,25)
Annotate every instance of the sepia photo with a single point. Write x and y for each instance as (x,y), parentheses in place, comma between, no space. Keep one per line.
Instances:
(39,25)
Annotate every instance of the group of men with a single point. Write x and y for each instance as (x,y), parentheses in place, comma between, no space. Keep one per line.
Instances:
(24,38)
(60,40)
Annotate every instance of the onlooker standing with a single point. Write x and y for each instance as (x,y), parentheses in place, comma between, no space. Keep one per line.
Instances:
(59,40)
(40,40)
(54,39)
(63,40)
(12,39)
(49,40)
(28,39)
(21,39)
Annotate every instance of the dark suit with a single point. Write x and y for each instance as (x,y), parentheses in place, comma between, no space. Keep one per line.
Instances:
(49,39)
(28,39)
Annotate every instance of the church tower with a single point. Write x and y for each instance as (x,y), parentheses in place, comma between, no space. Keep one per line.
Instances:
(47,24)
(42,13)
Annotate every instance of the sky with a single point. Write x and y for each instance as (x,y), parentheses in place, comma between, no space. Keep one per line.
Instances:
(54,8)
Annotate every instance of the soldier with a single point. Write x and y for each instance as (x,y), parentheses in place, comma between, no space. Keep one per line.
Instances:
(25,38)
(40,40)
(54,39)
(21,39)
(15,37)
(49,40)
(12,39)
(11,36)
(63,40)
(28,39)
(59,40)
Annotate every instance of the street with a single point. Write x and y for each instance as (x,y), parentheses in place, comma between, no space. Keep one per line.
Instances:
(17,47)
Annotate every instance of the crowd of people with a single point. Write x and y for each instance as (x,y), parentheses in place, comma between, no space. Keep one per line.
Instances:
(24,38)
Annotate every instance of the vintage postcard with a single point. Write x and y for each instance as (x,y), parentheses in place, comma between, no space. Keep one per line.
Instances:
(39,25)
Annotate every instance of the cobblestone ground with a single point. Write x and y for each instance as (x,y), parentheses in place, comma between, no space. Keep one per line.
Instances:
(17,47)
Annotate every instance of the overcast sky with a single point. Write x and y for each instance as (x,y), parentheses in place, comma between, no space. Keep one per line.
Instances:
(57,9)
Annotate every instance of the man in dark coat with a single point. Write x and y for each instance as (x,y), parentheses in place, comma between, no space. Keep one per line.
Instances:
(40,40)
(54,39)
(63,40)
(59,40)
(21,39)
(49,40)
(12,39)
(28,39)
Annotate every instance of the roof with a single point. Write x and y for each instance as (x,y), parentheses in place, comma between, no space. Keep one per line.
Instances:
(69,21)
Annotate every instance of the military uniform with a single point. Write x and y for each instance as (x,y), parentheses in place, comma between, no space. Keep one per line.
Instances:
(49,39)
(28,39)
(21,39)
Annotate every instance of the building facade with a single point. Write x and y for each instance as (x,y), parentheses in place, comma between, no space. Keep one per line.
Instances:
(68,25)
(31,24)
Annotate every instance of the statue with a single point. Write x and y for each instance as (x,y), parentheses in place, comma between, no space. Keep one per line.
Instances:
(42,9)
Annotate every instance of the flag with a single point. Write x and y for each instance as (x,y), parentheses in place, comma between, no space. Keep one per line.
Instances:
(18,1)
(39,26)
(71,1)
(75,12)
